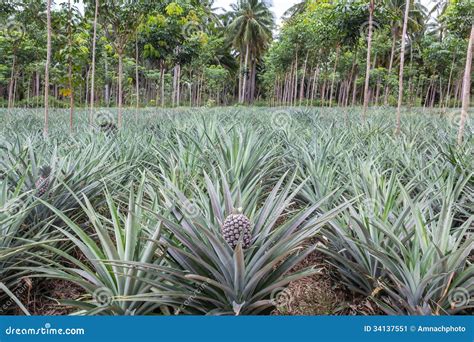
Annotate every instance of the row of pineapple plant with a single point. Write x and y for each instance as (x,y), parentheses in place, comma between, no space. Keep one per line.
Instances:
(181,210)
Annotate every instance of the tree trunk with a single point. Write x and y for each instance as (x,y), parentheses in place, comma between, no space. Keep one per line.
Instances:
(303,78)
(315,84)
(367,71)
(351,77)
(162,82)
(12,81)
(245,76)
(71,88)
(466,90)
(241,72)
(295,89)
(107,85)
(46,70)
(448,90)
(120,90)
(137,84)
(178,85)
(390,65)
(402,66)
(94,38)
(333,76)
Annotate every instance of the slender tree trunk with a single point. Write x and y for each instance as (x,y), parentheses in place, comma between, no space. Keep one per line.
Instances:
(88,75)
(37,89)
(351,78)
(354,89)
(12,82)
(94,38)
(71,87)
(433,95)
(46,70)
(402,66)
(241,72)
(178,85)
(377,91)
(315,84)
(120,90)
(245,75)
(137,82)
(303,78)
(162,82)
(295,89)
(15,86)
(390,65)
(253,80)
(367,71)
(107,85)
(333,76)
(323,93)
(466,90)
(448,90)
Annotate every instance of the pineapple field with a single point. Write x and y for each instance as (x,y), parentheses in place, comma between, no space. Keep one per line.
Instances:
(236,211)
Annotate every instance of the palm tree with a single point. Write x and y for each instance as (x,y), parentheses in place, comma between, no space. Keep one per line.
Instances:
(296,9)
(402,64)
(46,69)
(251,33)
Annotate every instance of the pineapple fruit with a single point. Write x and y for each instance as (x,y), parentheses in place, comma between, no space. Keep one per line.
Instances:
(237,227)
(44,180)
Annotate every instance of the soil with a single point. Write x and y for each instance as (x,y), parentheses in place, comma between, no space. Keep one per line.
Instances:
(322,294)
(44,296)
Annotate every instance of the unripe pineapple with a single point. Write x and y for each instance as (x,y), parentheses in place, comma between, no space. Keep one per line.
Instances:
(237,227)
(44,180)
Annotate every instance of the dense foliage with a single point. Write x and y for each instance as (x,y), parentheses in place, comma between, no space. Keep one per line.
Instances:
(133,218)
(185,52)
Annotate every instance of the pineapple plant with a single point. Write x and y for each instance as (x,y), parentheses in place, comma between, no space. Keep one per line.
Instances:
(44,181)
(237,227)
(210,261)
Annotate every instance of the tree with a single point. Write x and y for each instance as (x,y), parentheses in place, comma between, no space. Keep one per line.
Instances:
(458,19)
(369,63)
(466,90)
(46,69)
(94,40)
(121,19)
(402,64)
(251,33)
